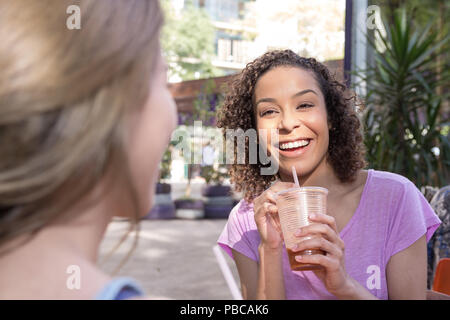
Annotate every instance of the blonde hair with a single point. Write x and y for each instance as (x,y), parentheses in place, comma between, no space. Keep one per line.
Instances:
(63,97)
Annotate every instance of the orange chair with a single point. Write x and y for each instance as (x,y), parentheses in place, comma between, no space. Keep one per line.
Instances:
(441,281)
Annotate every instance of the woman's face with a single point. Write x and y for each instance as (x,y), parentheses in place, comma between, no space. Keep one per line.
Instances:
(150,135)
(289,99)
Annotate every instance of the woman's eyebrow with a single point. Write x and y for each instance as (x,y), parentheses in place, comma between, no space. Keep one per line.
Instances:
(265,100)
(300,93)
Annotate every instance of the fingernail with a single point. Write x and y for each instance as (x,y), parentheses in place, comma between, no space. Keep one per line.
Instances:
(295,247)
(312,216)
(298,232)
(298,258)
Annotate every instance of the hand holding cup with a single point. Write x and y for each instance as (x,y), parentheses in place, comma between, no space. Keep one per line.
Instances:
(266,216)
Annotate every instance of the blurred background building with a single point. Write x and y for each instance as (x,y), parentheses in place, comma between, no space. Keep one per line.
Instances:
(234,32)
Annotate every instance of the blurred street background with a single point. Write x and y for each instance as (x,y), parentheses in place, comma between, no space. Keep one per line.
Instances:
(174,259)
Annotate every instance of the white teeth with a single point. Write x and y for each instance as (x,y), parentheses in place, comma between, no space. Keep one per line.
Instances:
(296,144)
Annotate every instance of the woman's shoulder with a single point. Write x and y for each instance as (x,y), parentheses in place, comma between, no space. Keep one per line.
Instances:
(243,208)
(120,288)
(242,216)
(388,190)
(389,177)
(403,196)
(385,181)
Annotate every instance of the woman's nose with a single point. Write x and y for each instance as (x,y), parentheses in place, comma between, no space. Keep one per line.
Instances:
(289,122)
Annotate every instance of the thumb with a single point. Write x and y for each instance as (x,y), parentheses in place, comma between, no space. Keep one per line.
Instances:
(271,208)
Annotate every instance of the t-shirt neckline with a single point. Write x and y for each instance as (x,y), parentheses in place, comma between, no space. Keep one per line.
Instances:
(357,213)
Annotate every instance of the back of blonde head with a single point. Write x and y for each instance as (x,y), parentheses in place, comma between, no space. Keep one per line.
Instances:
(63,97)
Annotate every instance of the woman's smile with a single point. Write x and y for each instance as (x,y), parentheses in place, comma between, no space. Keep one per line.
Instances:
(295,148)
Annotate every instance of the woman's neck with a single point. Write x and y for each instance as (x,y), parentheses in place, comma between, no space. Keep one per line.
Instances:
(39,267)
(322,176)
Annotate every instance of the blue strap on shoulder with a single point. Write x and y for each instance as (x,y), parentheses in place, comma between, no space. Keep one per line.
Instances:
(120,289)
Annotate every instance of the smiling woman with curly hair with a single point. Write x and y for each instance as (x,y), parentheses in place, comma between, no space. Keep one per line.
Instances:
(380,218)
(345,149)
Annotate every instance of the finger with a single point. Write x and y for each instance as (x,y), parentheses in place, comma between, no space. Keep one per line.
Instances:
(318,228)
(270,208)
(319,243)
(323,229)
(279,186)
(270,196)
(330,263)
(276,220)
(275,224)
(260,210)
(263,210)
(324,218)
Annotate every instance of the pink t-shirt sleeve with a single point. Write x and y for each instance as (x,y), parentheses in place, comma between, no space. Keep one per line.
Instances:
(413,218)
(240,232)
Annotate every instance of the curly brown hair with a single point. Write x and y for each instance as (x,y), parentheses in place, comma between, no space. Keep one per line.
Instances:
(346,148)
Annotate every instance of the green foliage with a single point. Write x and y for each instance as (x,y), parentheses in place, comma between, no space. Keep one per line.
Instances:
(188,42)
(206,103)
(420,12)
(215,176)
(165,164)
(403,108)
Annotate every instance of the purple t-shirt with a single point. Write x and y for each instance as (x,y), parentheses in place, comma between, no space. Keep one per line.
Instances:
(392,214)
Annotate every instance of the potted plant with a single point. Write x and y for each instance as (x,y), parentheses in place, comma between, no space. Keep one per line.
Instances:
(188,206)
(217,197)
(163,207)
(407,131)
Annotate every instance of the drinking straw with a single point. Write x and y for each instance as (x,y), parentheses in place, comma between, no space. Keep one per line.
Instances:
(294,174)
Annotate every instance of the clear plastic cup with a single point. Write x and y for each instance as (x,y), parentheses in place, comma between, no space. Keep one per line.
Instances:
(294,206)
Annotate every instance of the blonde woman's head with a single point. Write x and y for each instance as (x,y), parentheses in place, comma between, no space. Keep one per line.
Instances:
(79,108)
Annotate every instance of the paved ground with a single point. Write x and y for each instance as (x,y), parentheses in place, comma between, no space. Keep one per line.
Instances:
(173,260)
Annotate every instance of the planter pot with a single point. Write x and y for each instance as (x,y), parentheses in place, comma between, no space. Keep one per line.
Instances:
(163,207)
(189,209)
(163,198)
(216,191)
(162,188)
(162,211)
(218,201)
(217,211)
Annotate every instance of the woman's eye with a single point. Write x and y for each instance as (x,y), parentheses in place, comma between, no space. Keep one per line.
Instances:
(304,106)
(266,113)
